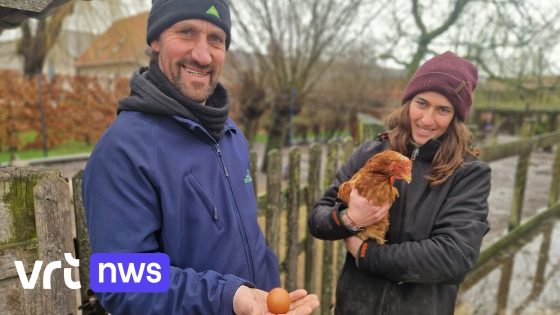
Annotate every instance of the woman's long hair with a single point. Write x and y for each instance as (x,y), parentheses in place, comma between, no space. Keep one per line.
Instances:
(456,144)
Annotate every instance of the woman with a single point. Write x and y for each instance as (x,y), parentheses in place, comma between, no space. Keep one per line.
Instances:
(439,219)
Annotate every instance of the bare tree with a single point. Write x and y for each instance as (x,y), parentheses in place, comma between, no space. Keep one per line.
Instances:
(505,38)
(250,89)
(412,32)
(34,46)
(295,42)
(515,47)
(352,84)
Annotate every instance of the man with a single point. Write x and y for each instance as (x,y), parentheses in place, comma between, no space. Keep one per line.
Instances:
(171,175)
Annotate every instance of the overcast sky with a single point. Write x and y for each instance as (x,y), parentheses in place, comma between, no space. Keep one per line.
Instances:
(97,16)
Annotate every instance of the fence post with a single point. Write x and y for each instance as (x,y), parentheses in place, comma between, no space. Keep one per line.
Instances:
(254,159)
(520,177)
(83,251)
(328,268)
(313,193)
(345,152)
(292,226)
(274,200)
(34,225)
(54,239)
(555,184)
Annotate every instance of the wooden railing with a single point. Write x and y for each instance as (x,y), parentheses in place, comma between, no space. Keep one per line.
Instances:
(304,261)
(329,255)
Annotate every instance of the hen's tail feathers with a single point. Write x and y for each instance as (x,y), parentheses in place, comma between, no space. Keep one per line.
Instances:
(344,191)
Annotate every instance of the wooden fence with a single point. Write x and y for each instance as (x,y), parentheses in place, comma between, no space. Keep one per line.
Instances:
(36,221)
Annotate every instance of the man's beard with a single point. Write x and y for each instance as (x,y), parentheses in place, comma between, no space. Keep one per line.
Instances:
(199,96)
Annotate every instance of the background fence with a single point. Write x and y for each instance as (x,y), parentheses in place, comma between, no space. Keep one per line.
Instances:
(41,213)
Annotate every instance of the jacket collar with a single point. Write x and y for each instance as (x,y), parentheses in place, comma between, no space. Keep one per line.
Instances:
(425,152)
(194,125)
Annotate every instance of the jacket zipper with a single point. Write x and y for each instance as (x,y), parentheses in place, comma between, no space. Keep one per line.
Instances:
(415,153)
(238,214)
(222,160)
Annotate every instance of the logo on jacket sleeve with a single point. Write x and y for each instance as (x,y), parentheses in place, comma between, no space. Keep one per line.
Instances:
(248,179)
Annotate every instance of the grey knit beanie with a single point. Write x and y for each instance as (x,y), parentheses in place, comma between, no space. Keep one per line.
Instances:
(165,13)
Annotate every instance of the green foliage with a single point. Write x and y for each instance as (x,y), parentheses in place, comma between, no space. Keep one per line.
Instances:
(66,148)
(27,137)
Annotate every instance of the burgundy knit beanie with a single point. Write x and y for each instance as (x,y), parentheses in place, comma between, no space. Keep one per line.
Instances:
(452,76)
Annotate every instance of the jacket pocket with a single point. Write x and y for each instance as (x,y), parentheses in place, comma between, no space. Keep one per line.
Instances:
(192,182)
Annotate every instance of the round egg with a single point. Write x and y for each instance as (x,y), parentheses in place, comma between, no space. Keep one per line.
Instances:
(278,301)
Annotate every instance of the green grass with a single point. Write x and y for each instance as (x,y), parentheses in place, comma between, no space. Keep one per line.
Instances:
(70,147)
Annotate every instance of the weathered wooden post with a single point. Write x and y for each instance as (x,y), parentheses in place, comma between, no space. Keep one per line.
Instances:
(555,184)
(292,226)
(504,286)
(346,151)
(254,159)
(553,121)
(498,122)
(520,177)
(328,268)
(53,219)
(83,251)
(35,224)
(274,200)
(313,193)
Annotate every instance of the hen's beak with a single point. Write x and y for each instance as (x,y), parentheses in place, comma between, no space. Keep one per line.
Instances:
(407,179)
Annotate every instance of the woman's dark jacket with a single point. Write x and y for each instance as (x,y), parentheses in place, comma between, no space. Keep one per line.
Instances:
(433,240)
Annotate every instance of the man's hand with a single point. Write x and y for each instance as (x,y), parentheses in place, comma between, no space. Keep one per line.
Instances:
(362,212)
(253,302)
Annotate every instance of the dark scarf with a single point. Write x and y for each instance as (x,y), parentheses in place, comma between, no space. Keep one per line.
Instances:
(212,115)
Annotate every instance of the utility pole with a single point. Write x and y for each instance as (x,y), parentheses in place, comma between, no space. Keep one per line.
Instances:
(42,113)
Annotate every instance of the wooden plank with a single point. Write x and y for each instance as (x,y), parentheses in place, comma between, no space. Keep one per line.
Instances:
(83,249)
(328,246)
(346,151)
(512,148)
(254,165)
(555,183)
(505,109)
(292,227)
(274,200)
(18,238)
(518,233)
(313,195)
(489,262)
(520,179)
(501,151)
(25,251)
(54,239)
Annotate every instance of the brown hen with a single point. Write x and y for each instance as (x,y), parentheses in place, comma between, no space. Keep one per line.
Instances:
(374,181)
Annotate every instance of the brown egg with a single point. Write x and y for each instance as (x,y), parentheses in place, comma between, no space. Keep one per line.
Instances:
(278,301)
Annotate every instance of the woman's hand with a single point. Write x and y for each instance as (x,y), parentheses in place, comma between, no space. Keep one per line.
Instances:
(353,244)
(253,302)
(362,212)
